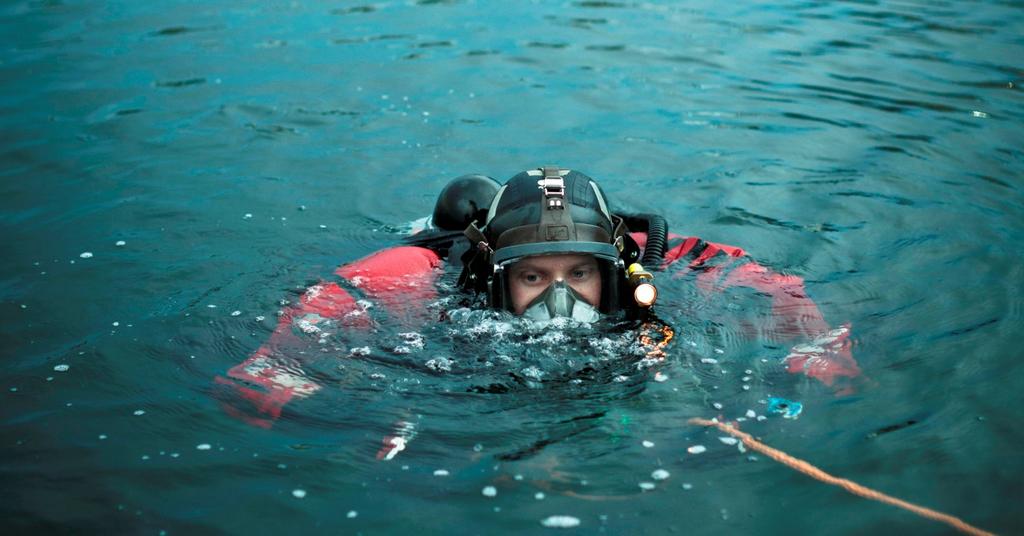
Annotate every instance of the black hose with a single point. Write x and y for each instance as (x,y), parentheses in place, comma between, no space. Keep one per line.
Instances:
(657,241)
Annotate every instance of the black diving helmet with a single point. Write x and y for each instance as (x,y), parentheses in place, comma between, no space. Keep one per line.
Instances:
(549,211)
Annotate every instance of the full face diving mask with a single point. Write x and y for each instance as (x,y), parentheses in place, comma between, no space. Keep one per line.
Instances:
(560,300)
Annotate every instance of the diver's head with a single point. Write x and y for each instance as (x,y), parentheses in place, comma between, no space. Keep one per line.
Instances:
(549,247)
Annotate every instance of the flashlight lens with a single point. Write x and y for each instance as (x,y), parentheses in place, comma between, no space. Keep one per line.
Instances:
(645,294)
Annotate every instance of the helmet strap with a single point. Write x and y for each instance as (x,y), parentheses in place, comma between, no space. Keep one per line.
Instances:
(477,260)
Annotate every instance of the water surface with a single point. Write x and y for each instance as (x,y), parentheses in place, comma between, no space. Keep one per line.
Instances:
(241,152)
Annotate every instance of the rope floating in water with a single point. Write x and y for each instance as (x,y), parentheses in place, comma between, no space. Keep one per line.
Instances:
(848,485)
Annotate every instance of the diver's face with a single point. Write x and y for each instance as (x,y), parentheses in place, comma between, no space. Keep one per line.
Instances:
(529,277)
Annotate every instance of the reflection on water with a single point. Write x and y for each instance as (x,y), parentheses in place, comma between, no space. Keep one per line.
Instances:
(218,160)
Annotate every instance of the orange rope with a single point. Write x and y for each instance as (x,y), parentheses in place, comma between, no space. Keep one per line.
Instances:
(848,485)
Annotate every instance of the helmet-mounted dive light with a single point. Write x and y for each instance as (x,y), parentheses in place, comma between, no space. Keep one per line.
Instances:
(644,291)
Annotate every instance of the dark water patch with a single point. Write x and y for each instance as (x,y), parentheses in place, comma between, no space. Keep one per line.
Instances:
(682,58)
(1014,154)
(472,121)
(795,182)
(437,2)
(893,149)
(583,23)
(1013,85)
(841,124)
(435,44)
(179,30)
(740,216)
(333,112)
(481,52)
(883,15)
(271,131)
(522,59)
(932,57)
(128,111)
(913,137)
(896,310)
(905,88)
(353,9)
(914,240)
(892,428)
(539,44)
(182,83)
(875,101)
(842,43)
(993,180)
(173,30)
(874,195)
(965,330)
(945,28)
(599,4)
(371,38)
(606,48)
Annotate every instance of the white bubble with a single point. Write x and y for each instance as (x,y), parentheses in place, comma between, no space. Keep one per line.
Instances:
(489,491)
(139,412)
(750,414)
(298,493)
(119,243)
(62,368)
(660,474)
(539,495)
(687,485)
(260,318)
(648,444)
(102,436)
(647,486)
(203,446)
(236,313)
(441,472)
(247,216)
(86,255)
(696,449)
(351,514)
(561,522)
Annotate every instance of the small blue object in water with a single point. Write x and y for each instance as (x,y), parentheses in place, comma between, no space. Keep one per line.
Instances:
(789,409)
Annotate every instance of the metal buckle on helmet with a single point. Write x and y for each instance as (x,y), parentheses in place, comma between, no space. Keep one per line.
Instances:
(553,186)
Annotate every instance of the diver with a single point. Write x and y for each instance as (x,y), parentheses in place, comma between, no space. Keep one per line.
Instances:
(544,245)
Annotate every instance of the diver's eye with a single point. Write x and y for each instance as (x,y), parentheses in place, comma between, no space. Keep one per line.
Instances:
(530,278)
(581,273)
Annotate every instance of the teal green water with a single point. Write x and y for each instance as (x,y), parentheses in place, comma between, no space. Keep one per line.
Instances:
(873,148)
